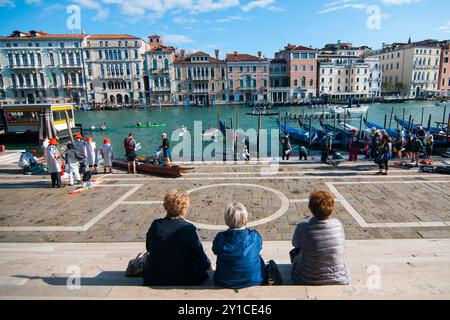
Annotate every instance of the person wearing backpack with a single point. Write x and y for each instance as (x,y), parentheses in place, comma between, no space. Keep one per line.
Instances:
(417,150)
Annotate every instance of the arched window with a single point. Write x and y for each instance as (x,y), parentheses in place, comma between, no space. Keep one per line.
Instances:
(203,72)
(222,72)
(155,64)
(179,73)
(166,64)
(213,73)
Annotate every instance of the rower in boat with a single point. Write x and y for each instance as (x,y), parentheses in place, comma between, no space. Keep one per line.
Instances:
(103,127)
(139,123)
(92,127)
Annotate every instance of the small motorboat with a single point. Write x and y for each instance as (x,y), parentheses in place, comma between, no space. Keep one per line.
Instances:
(349,109)
(171,170)
(183,131)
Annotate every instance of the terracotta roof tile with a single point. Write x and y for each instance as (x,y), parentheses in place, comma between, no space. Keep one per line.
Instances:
(231,57)
(112,36)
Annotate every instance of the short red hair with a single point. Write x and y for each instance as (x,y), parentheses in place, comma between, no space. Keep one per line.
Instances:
(321,204)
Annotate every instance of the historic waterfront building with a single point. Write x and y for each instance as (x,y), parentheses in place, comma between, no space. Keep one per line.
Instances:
(344,77)
(159,72)
(114,69)
(37,67)
(411,69)
(280,90)
(444,70)
(200,79)
(248,78)
(302,70)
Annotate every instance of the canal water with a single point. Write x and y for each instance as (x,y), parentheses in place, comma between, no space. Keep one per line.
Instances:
(119,122)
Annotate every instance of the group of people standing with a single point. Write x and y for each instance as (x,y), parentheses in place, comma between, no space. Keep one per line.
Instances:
(78,157)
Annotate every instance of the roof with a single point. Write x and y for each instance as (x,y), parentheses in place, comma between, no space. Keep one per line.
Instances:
(278,61)
(239,57)
(196,54)
(40,35)
(162,48)
(112,36)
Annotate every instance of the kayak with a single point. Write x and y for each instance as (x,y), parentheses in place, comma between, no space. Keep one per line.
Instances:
(156,125)
(173,171)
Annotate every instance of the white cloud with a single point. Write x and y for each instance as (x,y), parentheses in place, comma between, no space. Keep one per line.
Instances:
(257,4)
(341,5)
(102,11)
(184,20)
(445,28)
(177,38)
(398,2)
(229,19)
(33,1)
(7,3)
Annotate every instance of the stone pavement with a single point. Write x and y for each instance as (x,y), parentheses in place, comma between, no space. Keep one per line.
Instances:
(406,204)
(381,269)
(398,225)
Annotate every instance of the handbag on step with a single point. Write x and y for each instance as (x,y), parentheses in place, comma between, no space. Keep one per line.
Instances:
(135,267)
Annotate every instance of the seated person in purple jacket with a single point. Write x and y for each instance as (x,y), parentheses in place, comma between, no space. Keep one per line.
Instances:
(176,256)
(239,264)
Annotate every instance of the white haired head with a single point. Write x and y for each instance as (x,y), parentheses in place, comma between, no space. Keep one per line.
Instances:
(236,215)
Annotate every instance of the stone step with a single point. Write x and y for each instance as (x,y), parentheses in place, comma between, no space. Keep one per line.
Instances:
(407,269)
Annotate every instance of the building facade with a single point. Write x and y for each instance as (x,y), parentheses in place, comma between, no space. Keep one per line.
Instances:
(411,69)
(280,90)
(200,79)
(344,77)
(160,72)
(248,78)
(114,69)
(444,70)
(302,69)
(37,67)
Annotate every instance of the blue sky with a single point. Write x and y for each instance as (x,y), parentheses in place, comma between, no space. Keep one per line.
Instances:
(240,25)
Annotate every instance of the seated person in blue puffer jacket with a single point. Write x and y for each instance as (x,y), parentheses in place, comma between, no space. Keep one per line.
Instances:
(319,256)
(239,264)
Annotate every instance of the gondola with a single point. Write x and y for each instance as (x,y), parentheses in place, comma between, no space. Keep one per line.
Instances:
(173,171)
(296,134)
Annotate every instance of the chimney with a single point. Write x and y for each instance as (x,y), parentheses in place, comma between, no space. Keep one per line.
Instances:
(182,52)
(217,52)
(259,54)
(235,53)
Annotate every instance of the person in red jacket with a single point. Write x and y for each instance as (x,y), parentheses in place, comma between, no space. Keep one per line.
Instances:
(354,146)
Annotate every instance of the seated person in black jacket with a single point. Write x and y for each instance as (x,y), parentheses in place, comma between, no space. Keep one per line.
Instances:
(176,256)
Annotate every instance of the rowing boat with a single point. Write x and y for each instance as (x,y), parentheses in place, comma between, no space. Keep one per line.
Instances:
(155,125)
(171,170)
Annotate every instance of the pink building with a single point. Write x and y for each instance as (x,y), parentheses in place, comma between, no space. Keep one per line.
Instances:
(302,69)
(444,71)
(248,78)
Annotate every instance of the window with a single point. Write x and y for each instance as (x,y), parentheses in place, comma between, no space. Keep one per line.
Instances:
(100,54)
(304,56)
(61,45)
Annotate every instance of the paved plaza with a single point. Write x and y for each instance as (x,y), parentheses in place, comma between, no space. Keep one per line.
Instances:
(404,205)
(407,211)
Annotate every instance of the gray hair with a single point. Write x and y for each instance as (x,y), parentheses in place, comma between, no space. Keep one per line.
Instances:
(236,215)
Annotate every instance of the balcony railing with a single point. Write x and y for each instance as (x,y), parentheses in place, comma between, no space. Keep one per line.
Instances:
(25,67)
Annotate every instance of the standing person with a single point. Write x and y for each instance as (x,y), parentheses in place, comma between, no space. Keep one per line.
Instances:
(92,158)
(430,144)
(327,146)
(80,147)
(107,155)
(286,146)
(130,153)
(399,145)
(72,158)
(374,139)
(367,147)
(417,150)
(354,146)
(54,163)
(165,147)
(421,134)
(384,154)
